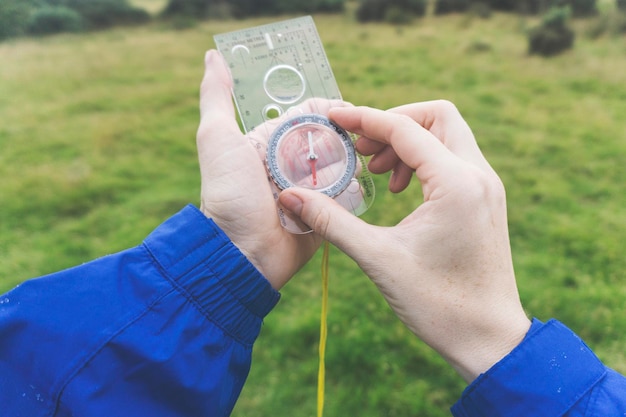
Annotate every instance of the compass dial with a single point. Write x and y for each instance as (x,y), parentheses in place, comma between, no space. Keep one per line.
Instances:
(312,152)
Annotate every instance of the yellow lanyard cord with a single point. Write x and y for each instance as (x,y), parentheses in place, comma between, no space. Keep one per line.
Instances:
(323,332)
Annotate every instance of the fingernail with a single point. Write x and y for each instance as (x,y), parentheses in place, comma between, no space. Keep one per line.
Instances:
(208,56)
(291,203)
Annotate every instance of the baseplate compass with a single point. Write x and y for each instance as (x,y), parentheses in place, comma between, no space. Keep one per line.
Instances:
(282,87)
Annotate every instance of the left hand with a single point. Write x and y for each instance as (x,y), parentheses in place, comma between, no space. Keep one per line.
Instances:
(235,192)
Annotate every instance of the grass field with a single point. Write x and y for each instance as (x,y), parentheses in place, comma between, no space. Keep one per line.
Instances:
(97,139)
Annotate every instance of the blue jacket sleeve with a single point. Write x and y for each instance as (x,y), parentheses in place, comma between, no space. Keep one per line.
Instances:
(551,373)
(163,329)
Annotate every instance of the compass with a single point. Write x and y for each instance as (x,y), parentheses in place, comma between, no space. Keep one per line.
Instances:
(312,152)
(279,70)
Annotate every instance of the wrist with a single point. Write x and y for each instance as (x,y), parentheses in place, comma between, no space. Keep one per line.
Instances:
(263,252)
(490,343)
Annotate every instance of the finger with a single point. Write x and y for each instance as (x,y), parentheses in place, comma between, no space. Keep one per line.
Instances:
(383,161)
(415,146)
(387,160)
(329,220)
(368,147)
(400,178)
(444,120)
(216,105)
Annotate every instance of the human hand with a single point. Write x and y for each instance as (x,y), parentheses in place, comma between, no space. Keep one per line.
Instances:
(446,268)
(235,191)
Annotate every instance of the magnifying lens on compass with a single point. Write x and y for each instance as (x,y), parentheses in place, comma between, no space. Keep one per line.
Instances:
(312,152)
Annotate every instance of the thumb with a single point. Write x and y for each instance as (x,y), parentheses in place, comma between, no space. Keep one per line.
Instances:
(218,124)
(328,219)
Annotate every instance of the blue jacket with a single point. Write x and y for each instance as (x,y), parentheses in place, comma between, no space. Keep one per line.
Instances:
(552,373)
(166,329)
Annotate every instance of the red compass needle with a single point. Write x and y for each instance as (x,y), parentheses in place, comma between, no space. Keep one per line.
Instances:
(312,162)
(312,158)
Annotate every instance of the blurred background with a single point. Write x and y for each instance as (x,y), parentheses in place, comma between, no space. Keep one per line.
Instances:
(98,112)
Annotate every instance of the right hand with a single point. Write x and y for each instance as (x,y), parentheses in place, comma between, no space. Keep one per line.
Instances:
(446,268)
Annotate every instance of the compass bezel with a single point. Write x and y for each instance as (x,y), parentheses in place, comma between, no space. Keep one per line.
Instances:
(305,121)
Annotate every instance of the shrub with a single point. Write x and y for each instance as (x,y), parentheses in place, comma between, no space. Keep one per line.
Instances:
(547,41)
(331,5)
(481,9)
(609,22)
(18,17)
(450,6)
(195,8)
(245,8)
(376,10)
(578,7)
(553,35)
(54,19)
(13,17)
(556,17)
(99,14)
(582,7)
(505,5)
(309,6)
(397,16)
(620,24)
(370,10)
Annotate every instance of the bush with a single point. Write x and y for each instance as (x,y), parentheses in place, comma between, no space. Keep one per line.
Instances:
(553,35)
(371,10)
(310,6)
(450,6)
(481,9)
(13,17)
(578,7)
(100,14)
(18,17)
(376,10)
(550,41)
(621,5)
(582,8)
(397,16)
(609,22)
(54,19)
(331,6)
(556,17)
(245,8)
(506,5)
(297,6)
(198,8)
(619,27)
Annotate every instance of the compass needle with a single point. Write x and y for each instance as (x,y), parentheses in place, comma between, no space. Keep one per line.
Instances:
(312,159)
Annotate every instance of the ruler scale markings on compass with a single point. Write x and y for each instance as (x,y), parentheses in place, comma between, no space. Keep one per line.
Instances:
(276,66)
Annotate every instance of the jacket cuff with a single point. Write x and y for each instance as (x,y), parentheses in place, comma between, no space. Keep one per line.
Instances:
(203,264)
(546,375)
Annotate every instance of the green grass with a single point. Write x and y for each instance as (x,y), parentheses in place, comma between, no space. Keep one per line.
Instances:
(97,139)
